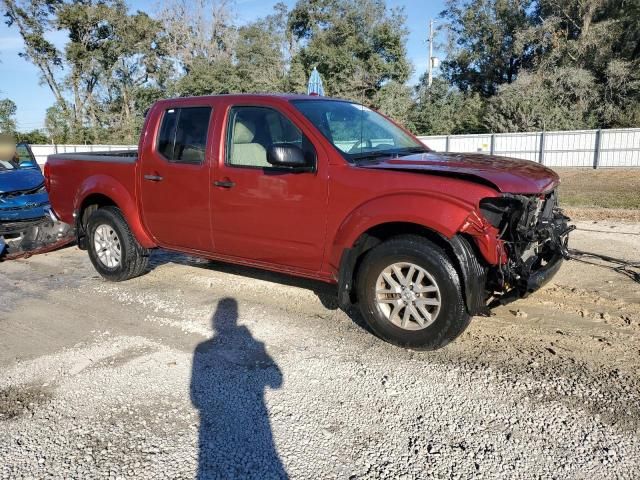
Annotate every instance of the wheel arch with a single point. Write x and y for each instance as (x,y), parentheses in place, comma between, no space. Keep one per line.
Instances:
(459,249)
(101,192)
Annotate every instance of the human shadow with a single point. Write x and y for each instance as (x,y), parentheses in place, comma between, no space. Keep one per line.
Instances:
(230,373)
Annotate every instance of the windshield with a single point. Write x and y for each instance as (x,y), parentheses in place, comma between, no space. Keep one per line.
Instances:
(358,132)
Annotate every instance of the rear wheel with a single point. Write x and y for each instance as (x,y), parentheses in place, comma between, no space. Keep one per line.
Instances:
(410,295)
(113,250)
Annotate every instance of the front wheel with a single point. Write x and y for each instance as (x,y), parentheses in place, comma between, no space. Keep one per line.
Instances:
(113,250)
(410,295)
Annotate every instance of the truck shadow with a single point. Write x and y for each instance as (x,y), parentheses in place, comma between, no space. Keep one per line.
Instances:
(326,293)
(230,373)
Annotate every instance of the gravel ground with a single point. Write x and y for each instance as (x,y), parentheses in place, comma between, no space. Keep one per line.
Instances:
(204,369)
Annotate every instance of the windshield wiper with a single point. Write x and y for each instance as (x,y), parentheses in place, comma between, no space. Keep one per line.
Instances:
(372,156)
(409,151)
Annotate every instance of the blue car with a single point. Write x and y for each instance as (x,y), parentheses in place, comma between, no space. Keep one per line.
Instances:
(23,199)
(27,225)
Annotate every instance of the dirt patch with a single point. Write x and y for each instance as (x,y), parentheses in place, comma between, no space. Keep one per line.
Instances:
(16,401)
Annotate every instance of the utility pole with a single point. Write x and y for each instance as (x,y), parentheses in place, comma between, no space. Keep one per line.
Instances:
(430,65)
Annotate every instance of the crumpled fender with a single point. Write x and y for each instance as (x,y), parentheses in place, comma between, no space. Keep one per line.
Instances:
(438,212)
(114,190)
(486,237)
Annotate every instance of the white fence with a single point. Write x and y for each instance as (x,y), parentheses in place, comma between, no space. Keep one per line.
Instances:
(41,151)
(580,148)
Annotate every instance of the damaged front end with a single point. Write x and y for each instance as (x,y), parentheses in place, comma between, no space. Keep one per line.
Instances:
(533,242)
(21,239)
(27,224)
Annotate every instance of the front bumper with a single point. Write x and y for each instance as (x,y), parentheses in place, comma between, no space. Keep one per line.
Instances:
(535,237)
(41,238)
(541,277)
(23,239)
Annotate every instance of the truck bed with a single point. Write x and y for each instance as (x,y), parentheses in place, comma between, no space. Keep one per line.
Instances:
(73,174)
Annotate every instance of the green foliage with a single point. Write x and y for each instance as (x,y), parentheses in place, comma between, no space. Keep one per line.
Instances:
(564,100)
(444,110)
(7,116)
(394,100)
(208,78)
(357,45)
(482,51)
(34,137)
(109,57)
(511,65)
(260,62)
(57,125)
(548,64)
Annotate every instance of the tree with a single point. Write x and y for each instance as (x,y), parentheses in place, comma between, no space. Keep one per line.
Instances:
(109,56)
(32,19)
(357,45)
(7,116)
(208,78)
(198,31)
(550,64)
(262,47)
(598,37)
(56,125)
(33,137)
(565,100)
(482,51)
(394,99)
(445,110)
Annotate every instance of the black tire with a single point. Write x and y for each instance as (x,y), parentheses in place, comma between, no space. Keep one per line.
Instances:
(133,257)
(452,318)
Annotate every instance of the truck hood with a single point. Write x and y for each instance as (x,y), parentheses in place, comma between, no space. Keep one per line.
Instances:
(18,180)
(507,175)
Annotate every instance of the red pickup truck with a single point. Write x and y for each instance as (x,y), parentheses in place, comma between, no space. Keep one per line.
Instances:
(326,189)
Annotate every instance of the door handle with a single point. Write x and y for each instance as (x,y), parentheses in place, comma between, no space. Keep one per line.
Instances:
(153,178)
(224,183)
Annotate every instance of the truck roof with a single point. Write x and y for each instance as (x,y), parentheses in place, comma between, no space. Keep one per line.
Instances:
(259,96)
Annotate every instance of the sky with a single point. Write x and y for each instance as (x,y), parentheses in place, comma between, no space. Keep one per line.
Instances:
(19,80)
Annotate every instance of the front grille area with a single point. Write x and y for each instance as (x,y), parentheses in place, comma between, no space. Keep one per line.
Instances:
(7,228)
(18,193)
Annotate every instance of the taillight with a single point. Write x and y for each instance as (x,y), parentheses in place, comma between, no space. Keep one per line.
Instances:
(47,180)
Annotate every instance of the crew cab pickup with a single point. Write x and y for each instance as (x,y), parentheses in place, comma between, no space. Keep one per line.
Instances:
(326,189)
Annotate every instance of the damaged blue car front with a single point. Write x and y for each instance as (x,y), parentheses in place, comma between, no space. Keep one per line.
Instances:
(23,199)
(26,223)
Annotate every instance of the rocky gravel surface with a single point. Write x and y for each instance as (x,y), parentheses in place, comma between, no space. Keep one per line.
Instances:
(208,370)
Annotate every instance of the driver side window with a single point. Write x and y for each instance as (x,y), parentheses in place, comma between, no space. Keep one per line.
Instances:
(251,131)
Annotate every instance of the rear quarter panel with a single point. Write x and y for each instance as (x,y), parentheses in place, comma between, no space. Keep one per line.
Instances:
(72,181)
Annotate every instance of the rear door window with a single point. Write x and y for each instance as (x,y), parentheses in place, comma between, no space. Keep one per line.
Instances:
(183,134)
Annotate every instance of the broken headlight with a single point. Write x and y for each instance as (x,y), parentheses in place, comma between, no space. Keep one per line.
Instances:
(515,216)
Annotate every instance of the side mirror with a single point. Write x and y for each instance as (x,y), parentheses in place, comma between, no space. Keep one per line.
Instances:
(286,155)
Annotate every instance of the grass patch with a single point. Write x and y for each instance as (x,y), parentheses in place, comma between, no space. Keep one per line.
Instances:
(612,188)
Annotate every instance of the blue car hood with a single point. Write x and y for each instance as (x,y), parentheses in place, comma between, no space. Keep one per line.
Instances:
(16,180)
